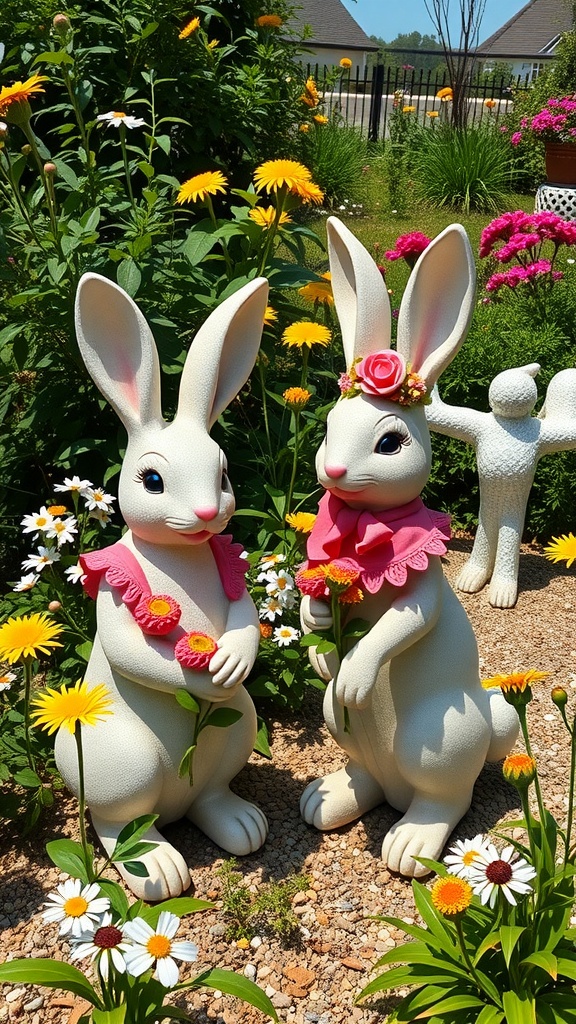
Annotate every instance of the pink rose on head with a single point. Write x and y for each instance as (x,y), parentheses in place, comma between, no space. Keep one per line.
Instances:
(381,373)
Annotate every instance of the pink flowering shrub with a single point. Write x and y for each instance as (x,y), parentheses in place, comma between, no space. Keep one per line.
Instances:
(522,237)
(409,247)
(556,122)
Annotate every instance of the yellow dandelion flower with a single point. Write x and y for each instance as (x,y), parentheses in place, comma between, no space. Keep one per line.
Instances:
(264,217)
(302,522)
(56,510)
(24,636)
(320,119)
(309,192)
(20,92)
(306,333)
(190,28)
(270,316)
(490,104)
(445,94)
(296,397)
(305,128)
(519,769)
(516,682)
(319,291)
(202,185)
(562,549)
(451,895)
(213,44)
(310,96)
(64,708)
(269,21)
(431,113)
(275,174)
(408,110)
(345,62)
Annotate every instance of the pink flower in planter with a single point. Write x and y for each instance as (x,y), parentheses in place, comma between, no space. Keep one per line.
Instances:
(381,373)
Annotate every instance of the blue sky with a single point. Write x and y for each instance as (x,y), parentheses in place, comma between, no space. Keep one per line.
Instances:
(386,18)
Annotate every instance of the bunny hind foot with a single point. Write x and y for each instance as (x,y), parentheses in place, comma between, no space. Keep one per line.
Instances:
(236,825)
(168,873)
(339,798)
(472,577)
(422,832)
(503,592)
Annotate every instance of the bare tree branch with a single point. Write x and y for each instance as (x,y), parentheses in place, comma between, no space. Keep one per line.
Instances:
(459,59)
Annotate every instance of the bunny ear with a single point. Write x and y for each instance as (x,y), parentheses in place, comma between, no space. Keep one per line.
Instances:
(360,295)
(222,354)
(118,349)
(437,305)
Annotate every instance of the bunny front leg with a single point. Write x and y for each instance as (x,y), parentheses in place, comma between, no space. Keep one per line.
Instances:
(316,616)
(238,645)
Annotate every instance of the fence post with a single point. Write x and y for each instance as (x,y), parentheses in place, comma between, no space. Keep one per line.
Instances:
(375,102)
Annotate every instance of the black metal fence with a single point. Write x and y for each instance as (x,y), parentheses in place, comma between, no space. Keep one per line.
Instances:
(366,99)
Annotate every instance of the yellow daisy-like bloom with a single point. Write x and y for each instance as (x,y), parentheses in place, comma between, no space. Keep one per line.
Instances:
(351,596)
(302,522)
(264,217)
(189,28)
(445,94)
(70,705)
(24,636)
(516,682)
(519,769)
(451,895)
(20,92)
(56,510)
(339,576)
(202,185)
(310,96)
(408,110)
(319,291)
(490,104)
(431,113)
(305,128)
(270,316)
(345,62)
(275,174)
(306,333)
(269,21)
(297,398)
(320,119)
(562,549)
(310,193)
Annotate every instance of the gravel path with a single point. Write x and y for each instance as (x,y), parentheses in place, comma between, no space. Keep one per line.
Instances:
(314,979)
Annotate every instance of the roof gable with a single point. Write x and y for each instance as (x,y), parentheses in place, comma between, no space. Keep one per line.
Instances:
(531,31)
(333,26)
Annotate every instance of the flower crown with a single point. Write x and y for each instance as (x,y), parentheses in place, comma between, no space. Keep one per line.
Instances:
(384,374)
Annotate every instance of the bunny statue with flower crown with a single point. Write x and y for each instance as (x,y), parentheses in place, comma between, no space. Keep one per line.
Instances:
(406,703)
(173,612)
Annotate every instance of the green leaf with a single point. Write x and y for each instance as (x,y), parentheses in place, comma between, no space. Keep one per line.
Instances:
(197,245)
(490,941)
(136,867)
(53,57)
(509,936)
(221,718)
(51,974)
(132,832)
(27,778)
(490,1015)
(188,701)
(180,906)
(116,895)
(311,640)
(164,142)
(518,1009)
(261,743)
(128,277)
(427,912)
(69,857)
(546,960)
(84,650)
(566,968)
(234,985)
(115,1016)
(457,1002)
(67,174)
(419,953)
(184,766)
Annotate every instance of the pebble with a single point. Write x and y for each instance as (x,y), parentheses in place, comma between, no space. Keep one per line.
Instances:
(34,1004)
(250,972)
(14,994)
(256,942)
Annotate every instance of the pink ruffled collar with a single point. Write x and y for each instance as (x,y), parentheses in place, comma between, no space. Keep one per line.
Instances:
(383,545)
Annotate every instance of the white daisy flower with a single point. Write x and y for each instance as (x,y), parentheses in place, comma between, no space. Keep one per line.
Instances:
(45,556)
(100,516)
(284,635)
(96,497)
(268,562)
(118,117)
(64,530)
(157,948)
(78,908)
(6,680)
(503,872)
(75,573)
(38,521)
(74,484)
(270,608)
(106,945)
(465,855)
(277,583)
(26,583)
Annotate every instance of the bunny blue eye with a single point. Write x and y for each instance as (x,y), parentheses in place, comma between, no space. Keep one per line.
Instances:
(389,444)
(152,481)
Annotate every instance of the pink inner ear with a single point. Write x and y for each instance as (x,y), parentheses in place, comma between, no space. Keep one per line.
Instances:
(128,384)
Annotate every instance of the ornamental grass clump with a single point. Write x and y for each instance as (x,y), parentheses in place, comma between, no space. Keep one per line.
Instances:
(496,945)
(463,169)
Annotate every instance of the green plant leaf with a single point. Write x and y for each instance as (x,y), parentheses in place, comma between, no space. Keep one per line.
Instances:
(234,985)
(197,245)
(136,867)
(490,1015)
(27,778)
(566,968)
(132,832)
(51,974)
(84,650)
(221,718)
(456,1002)
(188,701)
(116,895)
(399,977)
(128,276)
(69,857)
(428,913)
(261,743)
(518,1009)
(115,1016)
(546,960)
(490,941)
(509,936)
(180,906)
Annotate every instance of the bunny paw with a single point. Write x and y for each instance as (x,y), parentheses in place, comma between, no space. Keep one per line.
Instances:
(503,593)
(236,825)
(407,841)
(339,798)
(472,578)
(168,873)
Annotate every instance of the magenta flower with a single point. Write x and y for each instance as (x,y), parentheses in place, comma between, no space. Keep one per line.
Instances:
(409,247)
(516,138)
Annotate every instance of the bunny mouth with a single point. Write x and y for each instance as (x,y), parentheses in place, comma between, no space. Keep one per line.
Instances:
(341,492)
(199,536)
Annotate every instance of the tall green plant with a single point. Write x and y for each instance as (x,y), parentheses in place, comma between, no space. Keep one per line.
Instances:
(464,169)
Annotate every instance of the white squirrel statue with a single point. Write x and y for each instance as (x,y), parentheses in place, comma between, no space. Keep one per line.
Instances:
(508,442)
(169,591)
(418,726)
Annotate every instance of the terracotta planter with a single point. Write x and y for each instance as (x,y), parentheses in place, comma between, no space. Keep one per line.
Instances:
(561,163)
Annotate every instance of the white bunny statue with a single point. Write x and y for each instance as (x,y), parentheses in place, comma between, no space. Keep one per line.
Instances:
(419,726)
(171,593)
(508,442)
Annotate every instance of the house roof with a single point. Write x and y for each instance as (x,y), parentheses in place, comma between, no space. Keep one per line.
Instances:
(534,30)
(333,26)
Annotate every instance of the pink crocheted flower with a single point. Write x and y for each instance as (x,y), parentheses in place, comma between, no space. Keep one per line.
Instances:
(381,373)
(157,614)
(312,582)
(195,650)
(345,383)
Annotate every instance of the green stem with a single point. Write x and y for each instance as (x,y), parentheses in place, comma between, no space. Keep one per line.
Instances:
(273,230)
(570,819)
(521,712)
(227,260)
(48,191)
(528,819)
(305,357)
(27,691)
(336,610)
(289,496)
(82,803)
(260,363)
(468,961)
(122,130)
(16,193)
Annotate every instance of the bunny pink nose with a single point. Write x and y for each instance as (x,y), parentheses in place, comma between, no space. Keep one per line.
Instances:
(335,471)
(207,513)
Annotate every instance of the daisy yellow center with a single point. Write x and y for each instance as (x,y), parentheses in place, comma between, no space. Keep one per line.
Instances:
(118,113)
(158,946)
(199,643)
(98,496)
(335,574)
(469,857)
(59,527)
(286,631)
(5,679)
(158,606)
(281,583)
(41,521)
(451,895)
(75,906)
